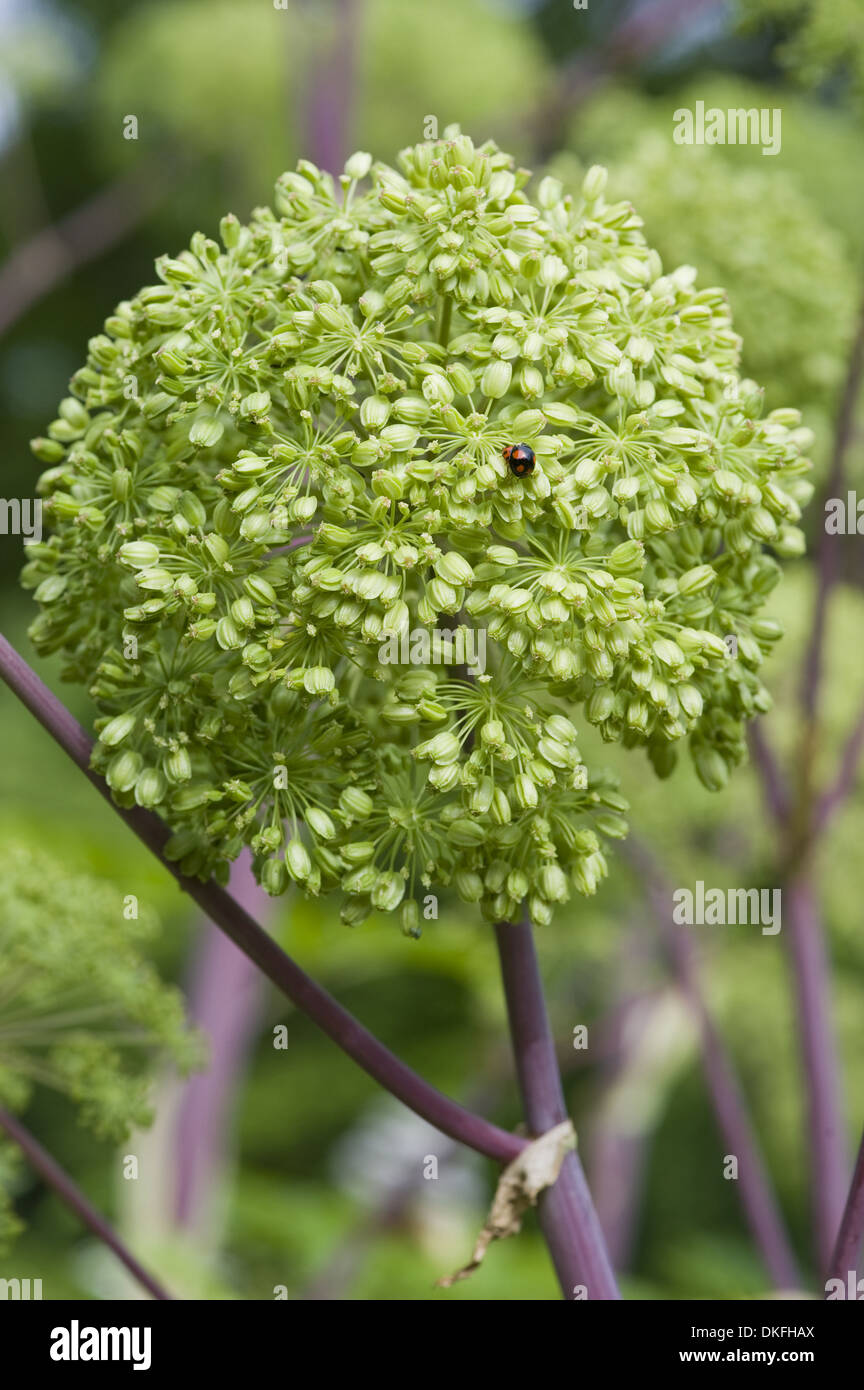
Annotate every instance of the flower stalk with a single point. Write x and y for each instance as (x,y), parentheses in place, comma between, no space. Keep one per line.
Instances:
(68,1191)
(567,1216)
(847,1251)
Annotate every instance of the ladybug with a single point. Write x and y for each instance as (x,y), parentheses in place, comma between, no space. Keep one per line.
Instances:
(520,458)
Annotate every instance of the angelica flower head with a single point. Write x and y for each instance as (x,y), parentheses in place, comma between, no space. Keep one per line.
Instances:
(293,450)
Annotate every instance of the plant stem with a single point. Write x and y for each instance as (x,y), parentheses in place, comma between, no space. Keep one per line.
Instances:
(806,935)
(68,1191)
(567,1216)
(444,322)
(848,1248)
(825,1131)
(757,1195)
(838,793)
(339,1025)
(330,84)
(774,788)
(225,997)
(829,545)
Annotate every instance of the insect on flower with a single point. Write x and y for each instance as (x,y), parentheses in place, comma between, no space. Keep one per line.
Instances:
(520,458)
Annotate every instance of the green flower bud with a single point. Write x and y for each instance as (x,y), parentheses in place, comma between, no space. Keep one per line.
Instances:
(594,183)
(525,791)
(118,728)
(150,787)
(177,765)
(358,165)
(410,916)
(711,768)
(466,833)
(691,700)
(399,437)
(453,568)
(320,823)
(696,580)
(374,412)
(627,558)
(319,680)
(274,877)
(443,748)
(615,827)
(138,555)
(205,432)
(51,589)
(388,892)
(355,804)
(668,652)
(560,728)
(496,378)
(123,771)
(461,377)
(192,509)
(553,884)
(481,797)
(437,389)
(227,635)
(492,734)
(297,860)
(469,886)
(47,450)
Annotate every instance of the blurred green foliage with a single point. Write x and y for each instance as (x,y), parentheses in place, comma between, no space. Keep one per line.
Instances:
(415,62)
(822,41)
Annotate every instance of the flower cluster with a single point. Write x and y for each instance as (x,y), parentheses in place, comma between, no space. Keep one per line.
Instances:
(81,1010)
(291,449)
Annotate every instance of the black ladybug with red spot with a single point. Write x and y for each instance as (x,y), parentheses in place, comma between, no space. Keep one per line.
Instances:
(521,459)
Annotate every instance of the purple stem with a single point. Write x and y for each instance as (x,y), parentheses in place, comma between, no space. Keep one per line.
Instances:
(829,545)
(567,1214)
(730,1109)
(225,1004)
(69,1192)
(339,1025)
(831,801)
(826,1132)
(774,785)
(330,91)
(806,937)
(848,1248)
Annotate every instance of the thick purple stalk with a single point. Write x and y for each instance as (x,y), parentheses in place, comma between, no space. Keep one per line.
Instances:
(330,91)
(826,1131)
(339,1025)
(225,1003)
(847,1251)
(69,1192)
(828,555)
(567,1214)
